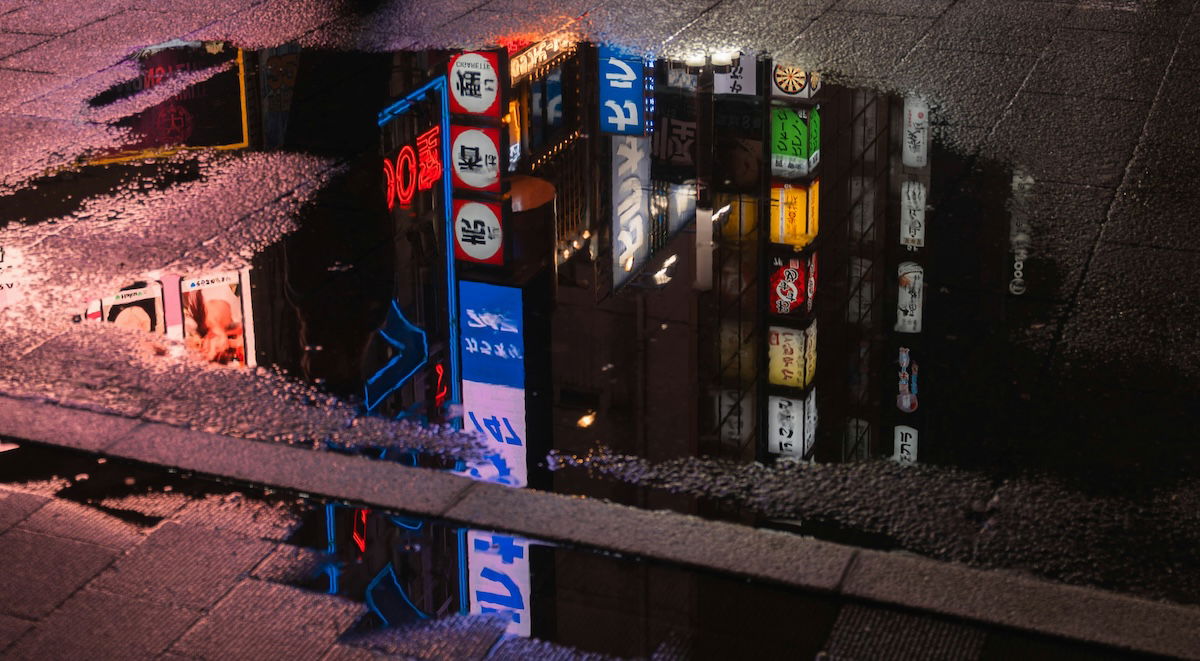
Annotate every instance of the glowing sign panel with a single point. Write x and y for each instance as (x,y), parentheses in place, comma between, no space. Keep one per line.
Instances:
(492,334)
(475,84)
(478,233)
(792,355)
(475,158)
(498,414)
(413,169)
(498,581)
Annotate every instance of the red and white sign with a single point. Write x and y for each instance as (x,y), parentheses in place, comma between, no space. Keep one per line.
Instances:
(475,83)
(478,235)
(414,169)
(475,158)
(793,283)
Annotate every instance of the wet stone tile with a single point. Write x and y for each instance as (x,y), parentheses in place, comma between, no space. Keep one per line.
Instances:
(20,86)
(454,637)
(49,17)
(62,518)
(860,630)
(52,570)
(939,74)
(1092,149)
(235,514)
(258,620)
(1098,64)
(1153,217)
(859,45)
(101,625)
(894,8)
(13,42)
(1163,18)
(11,629)
(977,25)
(289,564)
(16,507)
(184,566)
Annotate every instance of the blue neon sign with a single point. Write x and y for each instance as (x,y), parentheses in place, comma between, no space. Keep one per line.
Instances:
(492,334)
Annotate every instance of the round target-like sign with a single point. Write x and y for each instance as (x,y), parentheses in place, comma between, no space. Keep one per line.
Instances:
(478,236)
(789,80)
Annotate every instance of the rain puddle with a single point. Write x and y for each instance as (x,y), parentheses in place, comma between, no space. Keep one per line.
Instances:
(728,286)
(433,589)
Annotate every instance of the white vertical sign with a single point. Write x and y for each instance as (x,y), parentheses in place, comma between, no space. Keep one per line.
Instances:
(916,132)
(498,579)
(912,214)
(498,414)
(904,444)
(630,205)
(911,277)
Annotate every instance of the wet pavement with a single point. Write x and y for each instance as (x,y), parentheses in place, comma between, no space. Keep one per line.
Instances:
(1013,259)
(121,561)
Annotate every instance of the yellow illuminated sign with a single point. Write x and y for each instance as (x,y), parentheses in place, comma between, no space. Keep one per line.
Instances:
(795,213)
(792,355)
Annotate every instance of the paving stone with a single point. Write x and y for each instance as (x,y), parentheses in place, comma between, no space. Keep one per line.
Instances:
(183,566)
(49,17)
(59,425)
(19,86)
(1063,222)
(1090,63)
(350,653)
(863,632)
(58,143)
(1153,218)
(1142,285)
(1188,55)
(11,629)
(417,490)
(16,507)
(893,8)
(13,42)
(105,42)
(734,25)
(1166,156)
(1014,27)
(1161,18)
(938,75)
(858,45)
(263,621)
(100,625)
(1094,141)
(688,540)
(1079,613)
(52,569)
(289,564)
(236,514)
(63,518)
(453,637)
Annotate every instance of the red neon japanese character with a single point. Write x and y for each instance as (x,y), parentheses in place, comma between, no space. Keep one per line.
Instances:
(431,162)
(406,175)
(389,172)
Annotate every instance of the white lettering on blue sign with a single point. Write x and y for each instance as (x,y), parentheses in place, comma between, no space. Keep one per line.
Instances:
(499,578)
(622,94)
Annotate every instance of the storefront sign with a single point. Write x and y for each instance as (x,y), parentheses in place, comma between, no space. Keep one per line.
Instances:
(788,82)
(793,284)
(735,415)
(1019,229)
(475,158)
(905,445)
(630,205)
(792,425)
(216,315)
(478,232)
(475,83)
(911,297)
(417,167)
(498,578)
(915,152)
(622,98)
(527,61)
(12,276)
(493,345)
(497,413)
(906,399)
(792,355)
(795,213)
(795,141)
(912,214)
(742,78)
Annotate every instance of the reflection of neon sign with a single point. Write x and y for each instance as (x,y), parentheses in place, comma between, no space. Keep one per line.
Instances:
(414,169)
(359,531)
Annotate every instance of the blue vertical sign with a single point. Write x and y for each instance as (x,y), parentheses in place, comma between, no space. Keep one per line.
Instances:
(492,337)
(622,95)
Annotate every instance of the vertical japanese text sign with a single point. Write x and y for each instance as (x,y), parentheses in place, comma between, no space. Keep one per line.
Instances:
(622,95)
(499,581)
(493,360)
(630,205)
